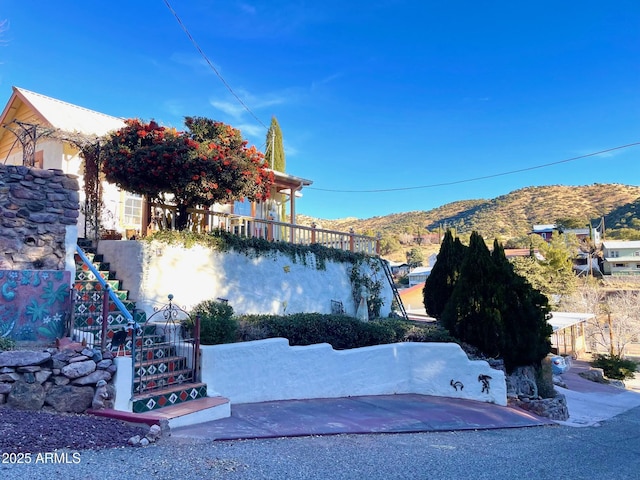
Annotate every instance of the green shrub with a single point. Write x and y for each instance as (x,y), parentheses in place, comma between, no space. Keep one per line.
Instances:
(615,366)
(7,344)
(341,331)
(426,333)
(217,324)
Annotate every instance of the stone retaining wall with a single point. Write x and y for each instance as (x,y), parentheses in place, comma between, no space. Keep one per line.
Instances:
(63,379)
(36,208)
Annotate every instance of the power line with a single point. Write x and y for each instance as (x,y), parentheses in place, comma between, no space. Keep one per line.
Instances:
(475,179)
(211,65)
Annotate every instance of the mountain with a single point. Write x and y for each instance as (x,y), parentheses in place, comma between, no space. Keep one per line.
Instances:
(507,216)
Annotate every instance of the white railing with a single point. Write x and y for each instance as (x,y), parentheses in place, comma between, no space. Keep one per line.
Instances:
(202,221)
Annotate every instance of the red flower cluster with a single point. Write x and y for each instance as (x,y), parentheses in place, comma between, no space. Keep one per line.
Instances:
(209,163)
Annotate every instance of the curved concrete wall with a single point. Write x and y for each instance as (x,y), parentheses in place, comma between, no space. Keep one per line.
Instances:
(270,369)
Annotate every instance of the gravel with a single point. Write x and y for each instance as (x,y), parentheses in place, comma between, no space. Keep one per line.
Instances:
(24,431)
(610,451)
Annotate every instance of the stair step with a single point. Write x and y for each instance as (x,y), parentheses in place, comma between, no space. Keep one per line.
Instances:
(169,396)
(200,410)
(161,381)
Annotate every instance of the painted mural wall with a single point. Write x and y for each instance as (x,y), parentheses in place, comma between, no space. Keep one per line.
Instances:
(34,305)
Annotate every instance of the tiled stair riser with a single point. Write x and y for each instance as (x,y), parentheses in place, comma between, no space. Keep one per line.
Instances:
(169,398)
(163,378)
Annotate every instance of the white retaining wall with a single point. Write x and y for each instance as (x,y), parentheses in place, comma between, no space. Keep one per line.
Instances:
(266,370)
(270,284)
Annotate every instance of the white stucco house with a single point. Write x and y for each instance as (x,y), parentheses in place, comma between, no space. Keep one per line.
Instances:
(621,257)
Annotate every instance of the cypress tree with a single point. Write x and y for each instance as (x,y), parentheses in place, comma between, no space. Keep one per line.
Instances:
(274,154)
(442,279)
(525,340)
(473,312)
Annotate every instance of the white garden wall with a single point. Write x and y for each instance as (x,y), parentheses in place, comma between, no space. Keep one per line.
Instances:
(271,284)
(266,370)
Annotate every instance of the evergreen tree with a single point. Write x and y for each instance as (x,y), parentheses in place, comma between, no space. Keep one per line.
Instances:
(473,312)
(442,279)
(274,154)
(525,339)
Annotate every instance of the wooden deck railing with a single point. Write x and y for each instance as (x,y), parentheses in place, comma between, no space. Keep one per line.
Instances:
(202,221)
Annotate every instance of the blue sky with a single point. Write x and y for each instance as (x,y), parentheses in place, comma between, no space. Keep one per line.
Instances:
(378,95)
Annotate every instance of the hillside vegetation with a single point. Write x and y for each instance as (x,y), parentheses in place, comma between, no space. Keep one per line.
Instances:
(508,216)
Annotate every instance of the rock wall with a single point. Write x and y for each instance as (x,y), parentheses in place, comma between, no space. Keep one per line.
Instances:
(36,208)
(63,379)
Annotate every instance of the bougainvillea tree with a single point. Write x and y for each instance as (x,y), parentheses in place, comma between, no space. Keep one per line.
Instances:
(207,164)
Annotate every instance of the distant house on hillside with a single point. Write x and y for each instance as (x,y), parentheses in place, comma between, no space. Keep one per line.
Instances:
(419,275)
(398,268)
(545,231)
(621,257)
(582,234)
(522,252)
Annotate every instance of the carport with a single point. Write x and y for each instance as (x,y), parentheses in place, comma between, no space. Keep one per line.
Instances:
(568,337)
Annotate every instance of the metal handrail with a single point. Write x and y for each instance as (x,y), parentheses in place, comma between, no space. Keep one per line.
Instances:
(105,286)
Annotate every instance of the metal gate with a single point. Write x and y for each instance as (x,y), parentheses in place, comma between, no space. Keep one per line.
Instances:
(166,351)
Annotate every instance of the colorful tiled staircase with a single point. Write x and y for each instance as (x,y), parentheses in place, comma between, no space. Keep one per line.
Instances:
(163,382)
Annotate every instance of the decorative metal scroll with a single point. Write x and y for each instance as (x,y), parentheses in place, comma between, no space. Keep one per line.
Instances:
(166,350)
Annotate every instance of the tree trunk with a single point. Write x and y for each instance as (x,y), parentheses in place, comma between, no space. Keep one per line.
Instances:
(182,217)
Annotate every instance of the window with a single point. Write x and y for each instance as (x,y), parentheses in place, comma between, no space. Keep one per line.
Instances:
(614,254)
(619,265)
(133,210)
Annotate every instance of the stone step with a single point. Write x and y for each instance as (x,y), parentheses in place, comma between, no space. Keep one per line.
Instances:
(201,410)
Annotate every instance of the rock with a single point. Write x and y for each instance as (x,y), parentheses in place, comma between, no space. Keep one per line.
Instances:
(28,369)
(26,396)
(42,376)
(3,398)
(21,358)
(134,441)
(595,375)
(104,364)
(144,442)
(5,388)
(87,352)
(155,432)
(79,358)
(9,377)
(554,408)
(79,369)
(61,380)
(617,383)
(7,370)
(101,399)
(69,398)
(559,381)
(93,378)
(112,369)
(29,377)
(97,355)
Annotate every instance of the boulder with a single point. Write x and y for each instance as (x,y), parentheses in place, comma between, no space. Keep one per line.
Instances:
(595,375)
(21,358)
(79,369)
(5,388)
(69,398)
(26,396)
